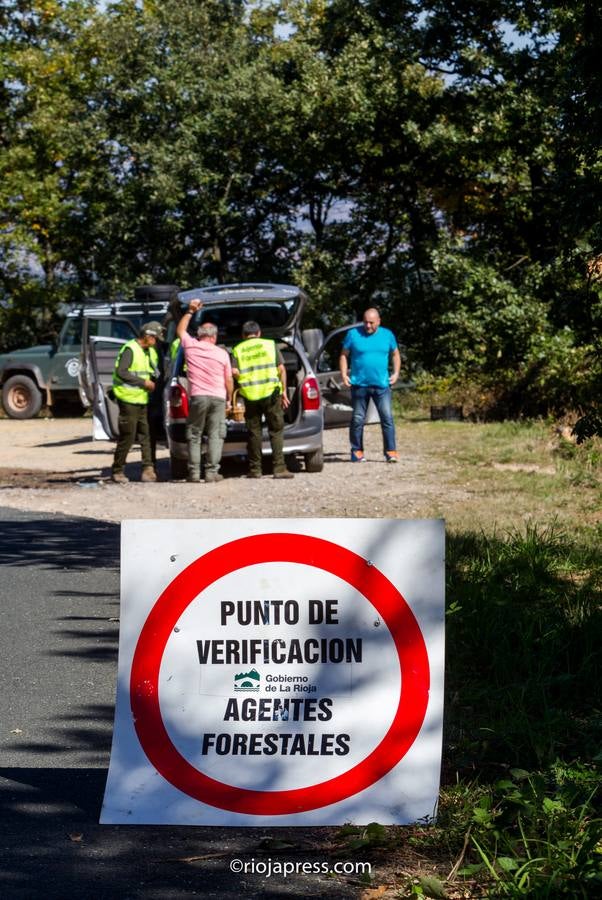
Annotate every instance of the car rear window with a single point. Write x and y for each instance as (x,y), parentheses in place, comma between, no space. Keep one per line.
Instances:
(271,318)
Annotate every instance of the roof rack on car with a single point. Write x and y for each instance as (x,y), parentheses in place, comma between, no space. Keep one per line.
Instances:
(146,298)
(117,307)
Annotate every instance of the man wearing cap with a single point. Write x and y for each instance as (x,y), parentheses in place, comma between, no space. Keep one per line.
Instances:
(134,378)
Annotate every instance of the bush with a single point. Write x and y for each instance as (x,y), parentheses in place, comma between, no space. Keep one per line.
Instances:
(555,377)
(494,350)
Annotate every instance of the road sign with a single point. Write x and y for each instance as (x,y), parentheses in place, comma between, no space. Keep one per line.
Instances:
(279,671)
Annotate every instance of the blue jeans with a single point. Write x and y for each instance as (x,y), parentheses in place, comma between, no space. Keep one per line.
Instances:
(360,396)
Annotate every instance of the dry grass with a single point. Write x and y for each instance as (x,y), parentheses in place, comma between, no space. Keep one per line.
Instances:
(501,476)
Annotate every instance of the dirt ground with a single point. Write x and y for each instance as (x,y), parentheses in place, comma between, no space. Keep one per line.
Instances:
(54,465)
(51,465)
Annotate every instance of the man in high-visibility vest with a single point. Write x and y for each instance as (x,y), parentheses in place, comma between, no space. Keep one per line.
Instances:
(261,375)
(134,379)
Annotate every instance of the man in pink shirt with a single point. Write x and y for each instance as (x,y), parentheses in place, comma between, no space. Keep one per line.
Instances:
(210,386)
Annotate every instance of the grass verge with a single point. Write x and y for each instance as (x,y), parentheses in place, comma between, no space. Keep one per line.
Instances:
(520,808)
(520,811)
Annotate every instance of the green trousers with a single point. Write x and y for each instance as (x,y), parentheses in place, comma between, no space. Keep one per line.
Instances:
(207,416)
(271,409)
(133,426)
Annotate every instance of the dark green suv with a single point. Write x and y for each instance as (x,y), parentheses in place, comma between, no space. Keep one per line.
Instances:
(48,374)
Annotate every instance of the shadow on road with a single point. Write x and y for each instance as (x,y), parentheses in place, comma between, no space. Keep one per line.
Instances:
(67,443)
(61,663)
(58,542)
(54,848)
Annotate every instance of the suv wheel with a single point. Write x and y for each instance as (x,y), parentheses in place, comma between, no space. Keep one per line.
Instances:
(314,462)
(21,397)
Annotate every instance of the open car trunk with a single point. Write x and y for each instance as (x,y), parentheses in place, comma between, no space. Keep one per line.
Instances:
(236,428)
(277,309)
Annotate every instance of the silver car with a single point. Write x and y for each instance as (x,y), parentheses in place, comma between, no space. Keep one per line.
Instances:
(277,308)
(318,399)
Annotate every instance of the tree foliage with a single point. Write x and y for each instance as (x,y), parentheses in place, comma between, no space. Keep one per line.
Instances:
(440,159)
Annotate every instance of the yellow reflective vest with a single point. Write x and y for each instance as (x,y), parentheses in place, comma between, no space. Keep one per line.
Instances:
(144,365)
(256,361)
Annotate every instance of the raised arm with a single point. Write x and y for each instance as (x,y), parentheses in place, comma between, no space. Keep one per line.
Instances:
(182,326)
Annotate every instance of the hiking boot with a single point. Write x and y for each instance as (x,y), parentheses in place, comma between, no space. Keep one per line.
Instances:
(119,478)
(357,456)
(212,477)
(392,456)
(254,475)
(193,479)
(283,474)
(148,474)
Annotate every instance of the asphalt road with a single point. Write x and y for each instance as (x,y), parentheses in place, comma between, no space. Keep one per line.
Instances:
(59,583)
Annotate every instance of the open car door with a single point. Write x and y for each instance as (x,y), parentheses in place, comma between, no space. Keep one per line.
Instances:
(105,327)
(101,353)
(336,398)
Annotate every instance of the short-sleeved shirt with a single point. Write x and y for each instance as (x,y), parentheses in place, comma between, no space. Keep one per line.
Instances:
(207,367)
(369,356)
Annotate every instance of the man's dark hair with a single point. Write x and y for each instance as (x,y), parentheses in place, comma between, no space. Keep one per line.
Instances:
(250,328)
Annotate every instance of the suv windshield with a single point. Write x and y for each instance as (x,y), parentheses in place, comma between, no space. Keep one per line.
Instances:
(122,329)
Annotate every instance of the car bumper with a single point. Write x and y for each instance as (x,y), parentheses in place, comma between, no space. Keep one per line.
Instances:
(303,437)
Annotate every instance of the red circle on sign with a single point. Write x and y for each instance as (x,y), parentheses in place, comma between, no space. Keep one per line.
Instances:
(256,550)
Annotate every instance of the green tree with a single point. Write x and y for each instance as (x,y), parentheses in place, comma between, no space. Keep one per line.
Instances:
(439,160)
(47,69)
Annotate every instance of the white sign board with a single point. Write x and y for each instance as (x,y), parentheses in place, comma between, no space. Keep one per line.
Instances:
(278,672)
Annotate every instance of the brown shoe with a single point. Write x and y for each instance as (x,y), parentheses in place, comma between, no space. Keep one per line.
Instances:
(119,478)
(212,477)
(254,475)
(148,474)
(283,474)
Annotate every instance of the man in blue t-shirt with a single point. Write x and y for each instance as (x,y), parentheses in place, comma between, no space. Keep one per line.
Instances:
(369,364)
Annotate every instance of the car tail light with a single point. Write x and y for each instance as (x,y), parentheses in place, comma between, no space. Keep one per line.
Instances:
(310,394)
(178,402)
